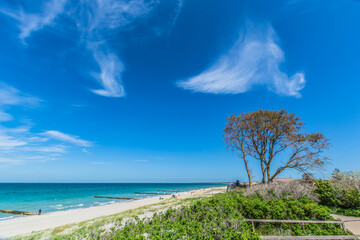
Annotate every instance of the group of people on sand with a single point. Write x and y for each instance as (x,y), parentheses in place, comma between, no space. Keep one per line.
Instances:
(172,196)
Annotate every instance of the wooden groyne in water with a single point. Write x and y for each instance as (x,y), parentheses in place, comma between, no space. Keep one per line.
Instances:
(150,193)
(18,212)
(171,190)
(124,198)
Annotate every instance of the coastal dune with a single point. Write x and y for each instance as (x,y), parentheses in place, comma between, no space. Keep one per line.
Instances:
(26,225)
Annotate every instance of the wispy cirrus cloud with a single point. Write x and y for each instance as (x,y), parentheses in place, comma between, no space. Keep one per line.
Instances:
(104,19)
(7,142)
(110,76)
(11,161)
(20,144)
(10,96)
(31,22)
(98,22)
(97,163)
(48,149)
(96,17)
(4,117)
(67,138)
(254,60)
(21,160)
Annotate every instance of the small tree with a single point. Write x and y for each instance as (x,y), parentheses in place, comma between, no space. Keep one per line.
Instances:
(263,135)
(308,177)
(336,174)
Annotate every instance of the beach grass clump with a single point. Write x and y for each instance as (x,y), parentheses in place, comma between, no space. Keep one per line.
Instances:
(95,228)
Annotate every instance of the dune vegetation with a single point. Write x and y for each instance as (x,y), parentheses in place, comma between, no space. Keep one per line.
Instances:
(222,216)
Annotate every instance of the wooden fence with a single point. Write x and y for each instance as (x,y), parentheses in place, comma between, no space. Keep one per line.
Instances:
(308,237)
(342,224)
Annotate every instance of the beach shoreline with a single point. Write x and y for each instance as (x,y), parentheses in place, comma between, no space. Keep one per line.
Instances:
(29,224)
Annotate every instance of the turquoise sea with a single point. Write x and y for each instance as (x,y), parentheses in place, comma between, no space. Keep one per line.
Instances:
(52,197)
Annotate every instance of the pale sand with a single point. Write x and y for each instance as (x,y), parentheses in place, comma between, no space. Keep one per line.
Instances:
(28,224)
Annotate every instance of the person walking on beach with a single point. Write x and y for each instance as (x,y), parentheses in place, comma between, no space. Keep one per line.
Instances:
(39,212)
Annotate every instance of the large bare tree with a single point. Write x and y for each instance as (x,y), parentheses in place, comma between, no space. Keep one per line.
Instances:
(269,135)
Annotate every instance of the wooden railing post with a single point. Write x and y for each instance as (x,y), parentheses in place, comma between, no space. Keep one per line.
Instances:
(343,226)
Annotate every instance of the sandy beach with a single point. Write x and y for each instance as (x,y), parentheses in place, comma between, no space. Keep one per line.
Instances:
(28,224)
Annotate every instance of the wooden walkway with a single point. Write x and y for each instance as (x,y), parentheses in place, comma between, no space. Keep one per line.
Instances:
(351,223)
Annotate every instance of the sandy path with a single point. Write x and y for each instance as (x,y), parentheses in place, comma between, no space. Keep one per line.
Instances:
(26,225)
(351,223)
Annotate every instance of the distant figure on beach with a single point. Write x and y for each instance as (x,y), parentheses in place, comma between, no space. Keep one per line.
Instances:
(173,196)
(39,212)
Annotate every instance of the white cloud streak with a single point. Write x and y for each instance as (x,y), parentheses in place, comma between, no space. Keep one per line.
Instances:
(180,4)
(10,96)
(50,149)
(21,142)
(7,142)
(110,76)
(104,18)
(21,160)
(97,21)
(31,22)
(97,16)
(67,138)
(11,161)
(4,117)
(254,60)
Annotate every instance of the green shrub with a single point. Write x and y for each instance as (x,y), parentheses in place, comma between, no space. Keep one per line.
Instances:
(347,212)
(331,195)
(222,217)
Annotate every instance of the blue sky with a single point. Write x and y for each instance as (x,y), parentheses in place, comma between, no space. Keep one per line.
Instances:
(139,91)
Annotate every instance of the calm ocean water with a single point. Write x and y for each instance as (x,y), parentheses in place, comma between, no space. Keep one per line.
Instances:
(52,197)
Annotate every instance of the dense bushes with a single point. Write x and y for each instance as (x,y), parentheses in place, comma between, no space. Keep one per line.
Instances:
(341,192)
(212,218)
(347,211)
(332,196)
(221,217)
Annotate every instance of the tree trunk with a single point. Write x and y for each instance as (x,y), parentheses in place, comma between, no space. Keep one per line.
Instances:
(246,164)
(263,171)
(278,171)
(248,172)
(268,174)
